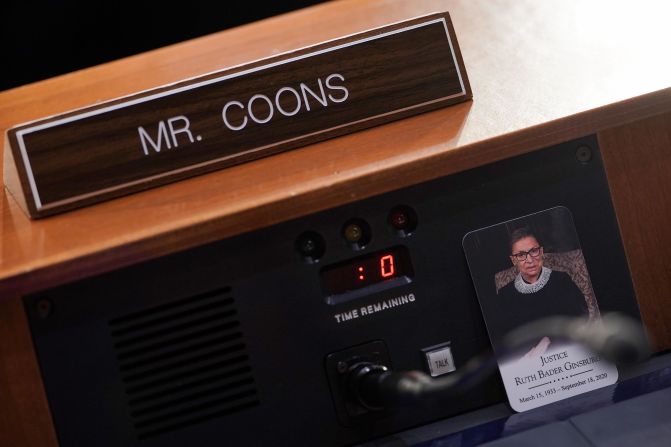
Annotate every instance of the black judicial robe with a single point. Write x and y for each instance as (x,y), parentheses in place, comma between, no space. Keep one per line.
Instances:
(559,297)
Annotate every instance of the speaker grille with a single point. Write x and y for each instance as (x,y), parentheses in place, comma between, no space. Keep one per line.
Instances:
(183,362)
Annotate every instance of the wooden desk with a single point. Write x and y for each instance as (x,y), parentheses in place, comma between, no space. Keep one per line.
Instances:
(541,73)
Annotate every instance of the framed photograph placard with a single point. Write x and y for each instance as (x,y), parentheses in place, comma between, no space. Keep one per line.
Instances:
(533,268)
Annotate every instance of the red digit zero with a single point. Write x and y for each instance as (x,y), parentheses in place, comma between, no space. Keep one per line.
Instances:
(387,266)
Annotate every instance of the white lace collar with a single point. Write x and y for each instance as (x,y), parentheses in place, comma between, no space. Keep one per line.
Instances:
(523,287)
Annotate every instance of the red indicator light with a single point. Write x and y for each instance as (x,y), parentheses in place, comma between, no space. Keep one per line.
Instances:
(387,266)
(361,277)
(399,220)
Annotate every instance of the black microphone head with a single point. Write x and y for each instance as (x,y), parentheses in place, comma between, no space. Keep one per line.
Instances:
(618,338)
(615,337)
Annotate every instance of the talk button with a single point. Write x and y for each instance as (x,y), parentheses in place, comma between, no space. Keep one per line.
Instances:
(439,359)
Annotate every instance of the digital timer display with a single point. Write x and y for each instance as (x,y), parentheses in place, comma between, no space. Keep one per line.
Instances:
(366,271)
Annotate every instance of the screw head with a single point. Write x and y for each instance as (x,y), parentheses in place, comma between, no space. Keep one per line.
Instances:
(44,308)
(583,154)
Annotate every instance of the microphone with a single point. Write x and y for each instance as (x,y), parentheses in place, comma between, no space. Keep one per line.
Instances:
(615,337)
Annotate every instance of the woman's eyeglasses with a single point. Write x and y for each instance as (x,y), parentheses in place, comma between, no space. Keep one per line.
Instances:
(522,255)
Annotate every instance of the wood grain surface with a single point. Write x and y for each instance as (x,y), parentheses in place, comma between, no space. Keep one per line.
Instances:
(557,77)
(637,158)
(25,419)
(237,115)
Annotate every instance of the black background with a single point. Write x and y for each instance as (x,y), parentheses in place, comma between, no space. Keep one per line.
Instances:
(45,39)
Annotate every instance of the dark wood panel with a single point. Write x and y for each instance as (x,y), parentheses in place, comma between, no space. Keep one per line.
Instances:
(637,158)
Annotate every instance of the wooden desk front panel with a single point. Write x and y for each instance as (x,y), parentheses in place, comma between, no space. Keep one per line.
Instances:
(534,85)
(637,158)
(25,419)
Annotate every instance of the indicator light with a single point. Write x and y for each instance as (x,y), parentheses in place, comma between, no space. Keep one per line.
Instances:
(356,233)
(398,220)
(353,233)
(402,220)
(310,246)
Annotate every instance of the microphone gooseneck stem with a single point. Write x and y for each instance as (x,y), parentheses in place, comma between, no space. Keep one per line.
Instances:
(616,338)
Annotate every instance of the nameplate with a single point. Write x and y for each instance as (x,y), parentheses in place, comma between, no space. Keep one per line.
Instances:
(236,115)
